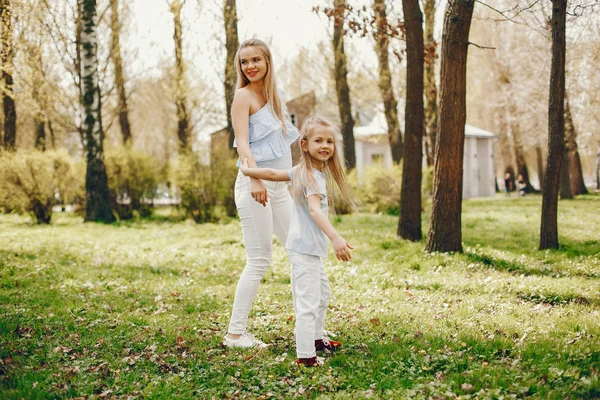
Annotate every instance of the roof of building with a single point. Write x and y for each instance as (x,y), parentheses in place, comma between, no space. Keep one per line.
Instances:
(378,126)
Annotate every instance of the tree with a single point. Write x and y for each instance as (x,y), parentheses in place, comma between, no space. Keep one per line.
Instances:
(445,226)
(409,224)
(431,114)
(340,72)
(8,94)
(97,204)
(556,128)
(390,105)
(231,44)
(575,170)
(117,59)
(183,124)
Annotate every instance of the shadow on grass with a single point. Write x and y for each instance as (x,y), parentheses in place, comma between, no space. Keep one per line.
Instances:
(513,267)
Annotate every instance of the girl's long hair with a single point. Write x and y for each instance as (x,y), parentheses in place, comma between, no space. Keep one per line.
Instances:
(333,169)
(270,88)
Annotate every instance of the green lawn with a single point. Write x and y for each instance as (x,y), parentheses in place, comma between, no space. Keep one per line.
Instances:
(138,309)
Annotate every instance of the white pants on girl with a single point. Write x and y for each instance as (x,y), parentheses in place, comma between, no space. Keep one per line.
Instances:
(258,225)
(311,292)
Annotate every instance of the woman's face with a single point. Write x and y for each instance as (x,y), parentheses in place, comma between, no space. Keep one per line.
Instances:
(253,63)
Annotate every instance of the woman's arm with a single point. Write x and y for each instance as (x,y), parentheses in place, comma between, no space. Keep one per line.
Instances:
(240,112)
(340,246)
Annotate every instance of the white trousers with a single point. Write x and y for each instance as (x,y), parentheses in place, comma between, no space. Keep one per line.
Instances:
(258,225)
(311,292)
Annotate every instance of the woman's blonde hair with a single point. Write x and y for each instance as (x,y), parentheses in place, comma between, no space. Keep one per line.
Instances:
(270,88)
(332,168)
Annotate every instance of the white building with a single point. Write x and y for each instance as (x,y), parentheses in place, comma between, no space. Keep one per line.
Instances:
(372,146)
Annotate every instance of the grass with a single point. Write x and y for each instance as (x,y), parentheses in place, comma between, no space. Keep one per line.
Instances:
(138,310)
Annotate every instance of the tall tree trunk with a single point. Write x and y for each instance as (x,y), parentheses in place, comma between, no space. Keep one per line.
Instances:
(431,112)
(78,66)
(575,170)
(540,165)
(341,83)
(506,152)
(7,56)
(564,185)
(445,226)
(231,44)
(40,134)
(556,129)
(52,135)
(183,124)
(409,223)
(390,104)
(515,130)
(97,204)
(598,170)
(117,59)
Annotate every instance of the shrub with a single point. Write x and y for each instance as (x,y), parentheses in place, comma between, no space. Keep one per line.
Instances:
(202,187)
(32,181)
(132,182)
(380,189)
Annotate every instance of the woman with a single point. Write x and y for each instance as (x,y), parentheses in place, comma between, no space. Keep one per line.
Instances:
(263,136)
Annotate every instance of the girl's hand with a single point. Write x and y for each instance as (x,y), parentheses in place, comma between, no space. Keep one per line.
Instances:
(259,191)
(342,248)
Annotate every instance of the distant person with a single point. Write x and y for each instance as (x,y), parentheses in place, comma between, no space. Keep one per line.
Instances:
(310,232)
(521,185)
(263,135)
(507,184)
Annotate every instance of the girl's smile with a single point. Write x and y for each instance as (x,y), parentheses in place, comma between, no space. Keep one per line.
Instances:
(320,145)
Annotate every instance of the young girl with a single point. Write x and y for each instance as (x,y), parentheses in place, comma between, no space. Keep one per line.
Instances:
(309,232)
(263,136)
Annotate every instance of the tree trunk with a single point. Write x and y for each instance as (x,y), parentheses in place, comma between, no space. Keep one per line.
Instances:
(78,65)
(431,116)
(409,223)
(506,152)
(390,104)
(575,170)
(556,129)
(445,226)
(540,165)
(7,56)
(341,84)
(231,44)
(97,204)
(598,170)
(183,124)
(117,59)
(40,134)
(565,179)
(515,130)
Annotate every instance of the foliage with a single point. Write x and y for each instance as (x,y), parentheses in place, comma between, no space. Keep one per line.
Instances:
(380,189)
(132,181)
(32,181)
(138,310)
(202,187)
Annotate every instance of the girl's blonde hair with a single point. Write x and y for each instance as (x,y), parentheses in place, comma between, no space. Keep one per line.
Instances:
(332,168)
(270,88)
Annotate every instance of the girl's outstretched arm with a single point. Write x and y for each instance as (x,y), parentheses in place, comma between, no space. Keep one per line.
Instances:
(268,174)
(340,246)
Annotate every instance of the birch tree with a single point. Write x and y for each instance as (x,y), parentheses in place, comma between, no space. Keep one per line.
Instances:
(97,205)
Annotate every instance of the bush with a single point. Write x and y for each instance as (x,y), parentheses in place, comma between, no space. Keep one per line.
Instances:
(202,188)
(32,181)
(132,182)
(380,189)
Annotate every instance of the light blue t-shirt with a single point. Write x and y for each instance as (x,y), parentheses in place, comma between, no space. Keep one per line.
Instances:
(305,236)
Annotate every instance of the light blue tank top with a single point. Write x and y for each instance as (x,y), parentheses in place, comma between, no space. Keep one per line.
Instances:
(269,146)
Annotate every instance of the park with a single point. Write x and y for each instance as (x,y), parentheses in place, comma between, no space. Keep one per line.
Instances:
(435,166)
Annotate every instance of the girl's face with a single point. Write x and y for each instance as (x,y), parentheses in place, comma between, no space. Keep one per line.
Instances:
(320,145)
(253,63)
